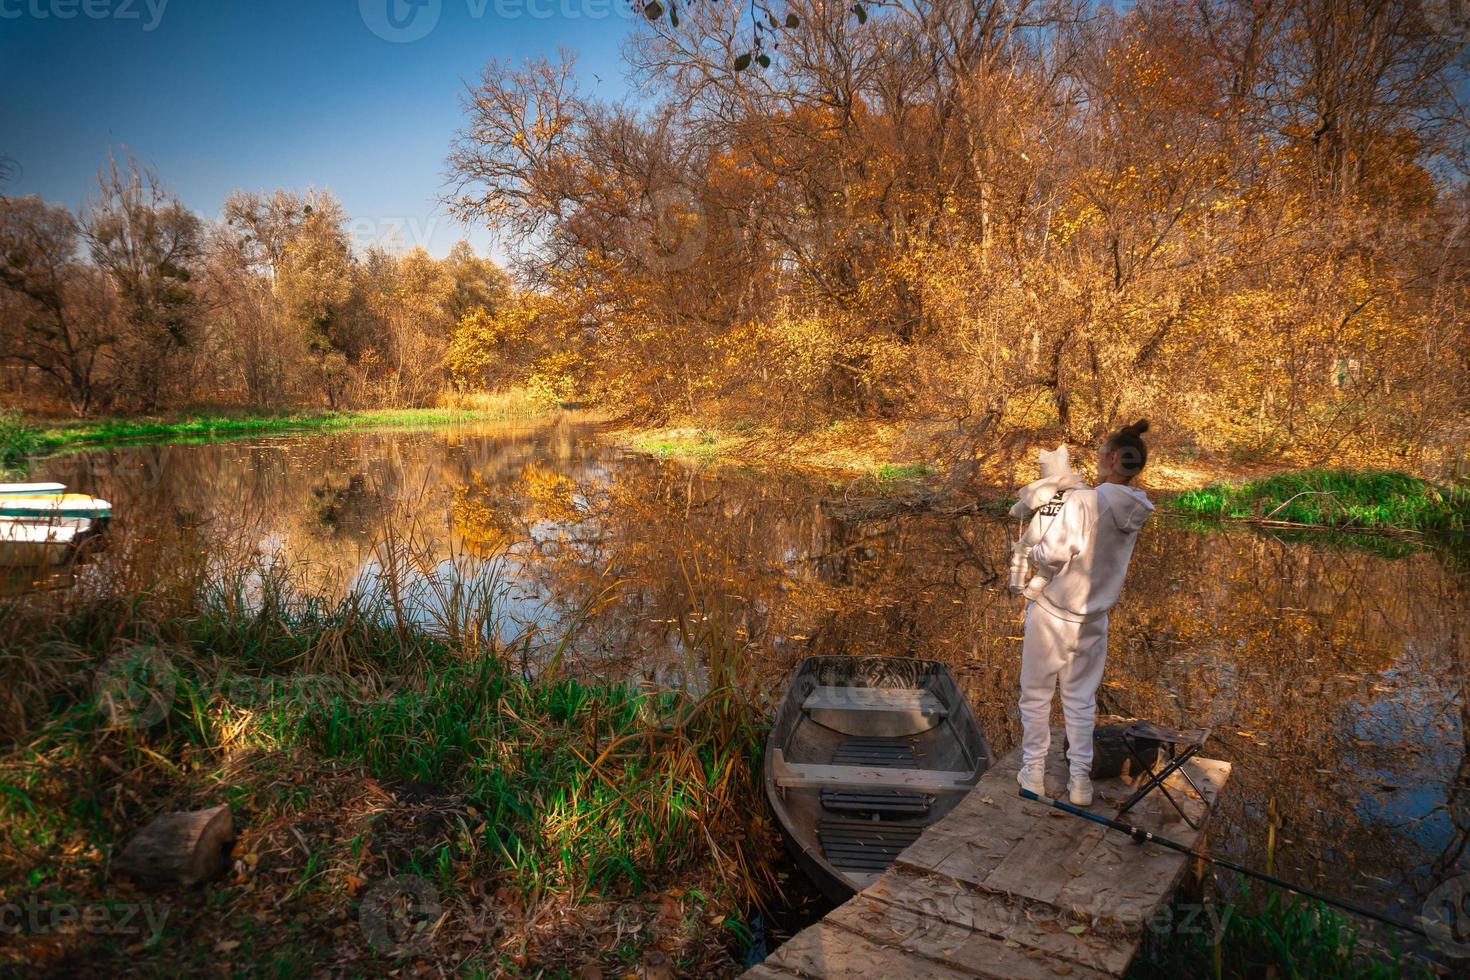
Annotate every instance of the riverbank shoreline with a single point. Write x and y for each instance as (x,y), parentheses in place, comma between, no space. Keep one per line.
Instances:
(24,439)
(861,461)
(886,461)
(60,436)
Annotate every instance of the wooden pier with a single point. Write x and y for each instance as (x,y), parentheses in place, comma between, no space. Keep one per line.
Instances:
(1009,888)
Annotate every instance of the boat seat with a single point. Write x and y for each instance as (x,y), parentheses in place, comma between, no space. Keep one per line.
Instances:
(863,845)
(883,804)
(788,775)
(881,711)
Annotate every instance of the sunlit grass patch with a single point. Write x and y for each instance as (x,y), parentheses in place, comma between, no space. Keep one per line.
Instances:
(685,444)
(1339,498)
(60,435)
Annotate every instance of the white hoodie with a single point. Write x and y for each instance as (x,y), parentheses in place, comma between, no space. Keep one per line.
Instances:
(1083,556)
(1040,502)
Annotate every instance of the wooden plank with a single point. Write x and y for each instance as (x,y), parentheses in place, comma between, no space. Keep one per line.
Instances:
(869,711)
(800,775)
(902,699)
(974,837)
(1041,866)
(765,972)
(927,934)
(1030,925)
(827,951)
(1121,880)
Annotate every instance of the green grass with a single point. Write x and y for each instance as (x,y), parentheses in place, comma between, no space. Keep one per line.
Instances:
(18,442)
(63,435)
(901,472)
(22,440)
(1286,936)
(1336,498)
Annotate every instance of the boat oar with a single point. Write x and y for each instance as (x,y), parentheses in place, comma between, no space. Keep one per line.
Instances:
(1142,836)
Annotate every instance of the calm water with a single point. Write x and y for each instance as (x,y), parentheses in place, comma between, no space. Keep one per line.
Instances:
(1334,675)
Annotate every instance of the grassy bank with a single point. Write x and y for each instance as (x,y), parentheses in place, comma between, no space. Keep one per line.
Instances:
(18,442)
(1334,498)
(1284,936)
(22,438)
(864,456)
(404,793)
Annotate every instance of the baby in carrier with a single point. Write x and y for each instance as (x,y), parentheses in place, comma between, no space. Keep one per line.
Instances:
(1040,503)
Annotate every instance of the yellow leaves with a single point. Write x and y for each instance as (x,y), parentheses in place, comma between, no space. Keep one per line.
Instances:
(487,348)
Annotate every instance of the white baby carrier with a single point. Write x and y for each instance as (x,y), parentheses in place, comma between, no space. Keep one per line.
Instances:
(1039,504)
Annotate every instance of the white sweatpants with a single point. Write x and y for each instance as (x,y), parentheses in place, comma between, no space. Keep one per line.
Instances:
(1074,654)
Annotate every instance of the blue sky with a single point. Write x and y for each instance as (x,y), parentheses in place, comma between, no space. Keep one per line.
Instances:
(357,96)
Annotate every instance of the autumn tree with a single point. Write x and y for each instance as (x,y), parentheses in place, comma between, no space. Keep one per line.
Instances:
(149,247)
(56,321)
(315,284)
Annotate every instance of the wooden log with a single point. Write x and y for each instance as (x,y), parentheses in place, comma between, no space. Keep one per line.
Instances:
(180,847)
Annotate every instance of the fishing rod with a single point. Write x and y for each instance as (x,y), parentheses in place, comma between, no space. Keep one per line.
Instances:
(1141,836)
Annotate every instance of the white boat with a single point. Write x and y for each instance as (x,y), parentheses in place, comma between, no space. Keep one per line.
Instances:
(40,544)
(31,489)
(48,506)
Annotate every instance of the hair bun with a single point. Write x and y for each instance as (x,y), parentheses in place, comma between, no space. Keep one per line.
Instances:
(1138,428)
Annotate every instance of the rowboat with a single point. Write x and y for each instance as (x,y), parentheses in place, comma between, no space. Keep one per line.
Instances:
(54,505)
(864,753)
(30,489)
(41,544)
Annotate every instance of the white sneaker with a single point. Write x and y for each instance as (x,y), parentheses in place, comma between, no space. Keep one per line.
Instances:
(1032,778)
(1079,790)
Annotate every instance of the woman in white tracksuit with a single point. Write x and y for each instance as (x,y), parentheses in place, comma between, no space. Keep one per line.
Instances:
(1080,561)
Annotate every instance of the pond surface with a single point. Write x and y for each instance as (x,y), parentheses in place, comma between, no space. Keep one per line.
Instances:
(1333,674)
